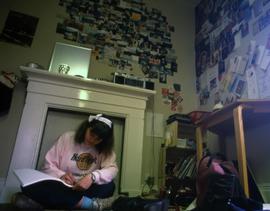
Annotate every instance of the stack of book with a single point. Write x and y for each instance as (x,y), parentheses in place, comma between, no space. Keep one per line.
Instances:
(186,167)
(184,118)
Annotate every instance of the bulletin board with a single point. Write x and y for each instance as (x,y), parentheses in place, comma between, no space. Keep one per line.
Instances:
(232,50)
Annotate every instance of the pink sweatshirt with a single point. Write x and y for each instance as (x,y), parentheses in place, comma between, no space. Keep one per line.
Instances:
(68,156)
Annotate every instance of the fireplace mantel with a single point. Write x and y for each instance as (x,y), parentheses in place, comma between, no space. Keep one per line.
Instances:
(50,90)
(45,76)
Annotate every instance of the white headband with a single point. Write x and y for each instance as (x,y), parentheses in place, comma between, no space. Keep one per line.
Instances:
(100,118)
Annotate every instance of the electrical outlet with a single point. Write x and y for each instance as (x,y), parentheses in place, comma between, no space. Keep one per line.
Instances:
(150,181)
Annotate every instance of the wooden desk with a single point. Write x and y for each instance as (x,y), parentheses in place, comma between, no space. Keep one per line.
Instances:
(234,119)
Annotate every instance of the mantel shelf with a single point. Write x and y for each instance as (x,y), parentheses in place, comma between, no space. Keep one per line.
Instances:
(41,75)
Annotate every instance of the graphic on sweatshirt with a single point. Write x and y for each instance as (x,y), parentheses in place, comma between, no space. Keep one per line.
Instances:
(84,161)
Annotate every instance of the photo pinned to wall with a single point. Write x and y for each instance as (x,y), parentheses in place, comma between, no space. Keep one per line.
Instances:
(202,56)
(176,102)
(244,29)
(265,61)
(263,82)
(227,42)
(265,2)
(252,87)
(230,98)
(198,85)
(174,66)
(71,33)
(112,62)
(154,61)
(163,77)
(100,54)
(153,70)
(217,98)
(153,73)
(261,23)
(19,29)
(214,58)
(244,11)
(125,66)
(226,81)
(168,71)
(204,96)
(234,87)
(203,80)
(171,28)
(232,83)
(221,69)
(239,88)
(212,78)
(172,97)
(238,64)
(213,84)
(257,7)
(177,87)
(255,28)
(165,96)
(237,40)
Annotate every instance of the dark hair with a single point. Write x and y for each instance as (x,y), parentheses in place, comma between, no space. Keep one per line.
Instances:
(102,130)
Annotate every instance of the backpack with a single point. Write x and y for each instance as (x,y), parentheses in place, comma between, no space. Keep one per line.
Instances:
(139,204)
(218,186)
(214,167)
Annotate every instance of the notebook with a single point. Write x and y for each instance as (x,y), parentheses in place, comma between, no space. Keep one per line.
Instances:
(31,176)
(75,60)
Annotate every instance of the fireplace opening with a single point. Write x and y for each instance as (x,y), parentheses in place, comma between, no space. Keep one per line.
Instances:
(59,121)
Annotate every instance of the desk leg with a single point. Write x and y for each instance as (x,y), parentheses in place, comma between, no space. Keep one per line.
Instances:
(240,147)
(199,143)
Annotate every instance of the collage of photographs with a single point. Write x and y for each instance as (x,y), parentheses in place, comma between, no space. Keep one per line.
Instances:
(223,71)
(125,35)
(122,34)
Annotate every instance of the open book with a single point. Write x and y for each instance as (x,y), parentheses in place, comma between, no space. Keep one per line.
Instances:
(31,176)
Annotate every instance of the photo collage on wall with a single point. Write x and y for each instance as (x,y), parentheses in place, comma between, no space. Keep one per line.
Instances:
(172,97)
(221,26)
(124,34)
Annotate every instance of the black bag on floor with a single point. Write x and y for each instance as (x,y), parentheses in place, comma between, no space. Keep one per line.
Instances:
(218,186)
(140,204)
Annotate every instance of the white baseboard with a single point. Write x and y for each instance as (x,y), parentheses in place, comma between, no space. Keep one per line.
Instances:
(265,191)
(2,183)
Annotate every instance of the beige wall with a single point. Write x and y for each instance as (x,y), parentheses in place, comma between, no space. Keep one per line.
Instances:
(180,15)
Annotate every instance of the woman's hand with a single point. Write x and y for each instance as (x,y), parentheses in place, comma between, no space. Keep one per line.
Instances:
(84,183)
(68,178)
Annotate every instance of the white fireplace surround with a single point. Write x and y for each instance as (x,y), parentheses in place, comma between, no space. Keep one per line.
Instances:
(49,90)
